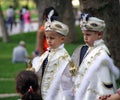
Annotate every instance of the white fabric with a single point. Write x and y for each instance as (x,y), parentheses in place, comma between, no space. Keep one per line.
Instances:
(52,86)
(35,60)
(91,23)
(96,68)
(57,26)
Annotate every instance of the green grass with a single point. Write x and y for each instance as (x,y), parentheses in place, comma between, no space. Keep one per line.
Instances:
(10,98)
(5,83)
(8,70)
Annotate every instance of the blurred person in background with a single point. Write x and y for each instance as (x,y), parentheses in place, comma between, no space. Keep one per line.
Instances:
(20,54)
(21,21)
(10,18)
(27,20)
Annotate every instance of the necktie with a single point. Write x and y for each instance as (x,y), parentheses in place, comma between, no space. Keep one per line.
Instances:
(44,65)
(82,53)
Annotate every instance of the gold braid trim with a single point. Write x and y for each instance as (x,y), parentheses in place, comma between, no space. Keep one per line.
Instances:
(73,68)
(29,66)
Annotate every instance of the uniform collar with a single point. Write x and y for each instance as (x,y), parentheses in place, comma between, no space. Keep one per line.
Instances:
(53,50)
(98,42)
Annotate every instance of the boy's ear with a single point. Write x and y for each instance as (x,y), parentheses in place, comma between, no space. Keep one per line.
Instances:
(100,33)
(62,38)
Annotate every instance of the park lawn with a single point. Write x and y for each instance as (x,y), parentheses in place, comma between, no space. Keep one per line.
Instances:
(11,98)
(8,70)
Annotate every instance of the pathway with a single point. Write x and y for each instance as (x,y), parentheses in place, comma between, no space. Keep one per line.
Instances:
(34,27)
(8,95)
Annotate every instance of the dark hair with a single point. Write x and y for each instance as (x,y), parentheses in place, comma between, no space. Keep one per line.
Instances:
(27,85)
(46,12)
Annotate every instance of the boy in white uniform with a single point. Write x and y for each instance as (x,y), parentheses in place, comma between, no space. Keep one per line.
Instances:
(54,85)
(96,71)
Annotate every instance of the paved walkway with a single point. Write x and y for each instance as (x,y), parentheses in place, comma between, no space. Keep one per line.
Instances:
(7,79)
(8,95)
(34,27)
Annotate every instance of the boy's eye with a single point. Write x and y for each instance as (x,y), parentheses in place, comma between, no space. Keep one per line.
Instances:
(51,37)
(88,34)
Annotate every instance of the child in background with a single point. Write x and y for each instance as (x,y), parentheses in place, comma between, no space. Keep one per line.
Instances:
(27,85)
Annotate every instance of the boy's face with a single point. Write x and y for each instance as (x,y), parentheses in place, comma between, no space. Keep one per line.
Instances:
(54,40)
(91,36)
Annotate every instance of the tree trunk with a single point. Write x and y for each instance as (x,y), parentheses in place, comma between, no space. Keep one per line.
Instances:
(108,10)
(41,5)
(69,19)
(16,4)
(3,27)
(64,8)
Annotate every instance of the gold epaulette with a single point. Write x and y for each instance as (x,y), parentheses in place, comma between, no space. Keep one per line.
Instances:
(73,68)
(29,66)
(31,69)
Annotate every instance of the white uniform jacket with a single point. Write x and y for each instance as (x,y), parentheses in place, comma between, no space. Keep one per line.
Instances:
(54,85)
(96,74)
